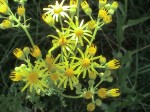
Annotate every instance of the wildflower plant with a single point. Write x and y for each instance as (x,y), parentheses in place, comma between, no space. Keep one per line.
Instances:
(78,58)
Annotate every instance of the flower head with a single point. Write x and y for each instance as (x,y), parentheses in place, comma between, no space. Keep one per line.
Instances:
(18,53)
(102,3)
(85,63)
(73,7)
(104,93)
(78,31)
(48,19)
(86,8)
(91,107)
(14,76)
(113,64)
(68,75)
(35,52)
(107,19)
(57,10)
(3,6)
(64,41)
(102,13)
(113,92)
(21,10)
(7,24)
(88,94)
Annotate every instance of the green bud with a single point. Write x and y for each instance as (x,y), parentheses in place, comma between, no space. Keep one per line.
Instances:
(108,6)
(107,73)
(111,11)
(26,50)
(98,102)
(91,82)
(109,79)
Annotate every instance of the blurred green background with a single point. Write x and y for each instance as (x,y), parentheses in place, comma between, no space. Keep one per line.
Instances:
(127,38)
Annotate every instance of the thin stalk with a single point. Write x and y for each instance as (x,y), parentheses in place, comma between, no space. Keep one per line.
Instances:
(23,27)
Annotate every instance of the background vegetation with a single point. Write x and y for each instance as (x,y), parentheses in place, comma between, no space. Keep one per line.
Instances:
(127,37)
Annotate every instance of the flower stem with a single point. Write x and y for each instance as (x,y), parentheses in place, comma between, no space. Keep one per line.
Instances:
(98,83)
(24,27)
(73,97)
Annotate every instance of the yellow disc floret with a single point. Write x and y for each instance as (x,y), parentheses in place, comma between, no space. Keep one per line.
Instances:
(32,78)
(85,62)
(69,72)
(62,41)
(78,32)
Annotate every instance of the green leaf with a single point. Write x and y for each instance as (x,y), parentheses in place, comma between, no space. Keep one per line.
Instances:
(136,21)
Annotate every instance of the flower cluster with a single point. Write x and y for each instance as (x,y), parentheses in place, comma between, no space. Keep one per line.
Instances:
(78,58)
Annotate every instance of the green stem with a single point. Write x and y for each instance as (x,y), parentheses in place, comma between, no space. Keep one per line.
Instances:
(95,31)
(78,8)
(24,27)
(73,97)
(98,83)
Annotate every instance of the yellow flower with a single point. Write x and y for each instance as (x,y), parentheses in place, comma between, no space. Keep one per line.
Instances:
(6,24)
(78,31)
(57,10)
(113,92)
(48,19)
(85,63)
(3,7)
(87,94)
(54,77)
(102,3)
(92,50)
(107,19)
(34,76)
(52,64)
(102,93)
(91,107)
(114,5)
(68,75)
(14,76)
(86,8)
(102,13)
(21,10)
(35,52)
(18,53)
(73,7)
(102,59)
(64,41)
(91,24)
(113,64)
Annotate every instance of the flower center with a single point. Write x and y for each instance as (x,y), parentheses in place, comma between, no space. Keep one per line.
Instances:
(69,72)
(78,32)
(62,41)
(54,77)
(33,78)
(58,10)
(86,62)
